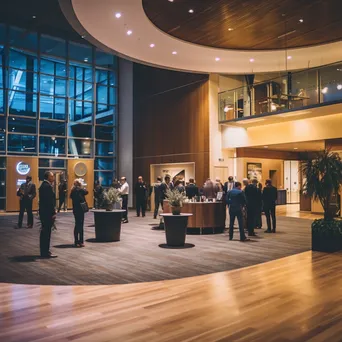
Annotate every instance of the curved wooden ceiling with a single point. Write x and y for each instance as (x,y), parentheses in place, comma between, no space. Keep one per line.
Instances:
(249,24)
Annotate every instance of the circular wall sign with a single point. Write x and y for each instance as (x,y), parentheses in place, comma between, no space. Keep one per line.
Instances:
(23,168)
(80,169)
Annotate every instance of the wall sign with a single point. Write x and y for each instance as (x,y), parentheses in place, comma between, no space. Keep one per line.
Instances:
(23,168)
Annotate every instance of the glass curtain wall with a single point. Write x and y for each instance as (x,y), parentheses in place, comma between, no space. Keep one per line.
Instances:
(58,100)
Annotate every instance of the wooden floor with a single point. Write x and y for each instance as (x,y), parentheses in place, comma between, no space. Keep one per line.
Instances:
(292,210)
(137,257)
(297,298)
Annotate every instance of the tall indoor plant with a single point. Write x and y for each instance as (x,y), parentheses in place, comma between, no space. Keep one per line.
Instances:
(176,199)
(323,179)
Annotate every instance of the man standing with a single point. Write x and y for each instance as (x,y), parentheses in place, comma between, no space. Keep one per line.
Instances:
(26,193)
(269,197)
(98,195)
(191,189)
(47,214)
(165,185)
(228,185)
(124,190)
(251,192)
(157,197)
(236,201)
(62,189)
(141,194)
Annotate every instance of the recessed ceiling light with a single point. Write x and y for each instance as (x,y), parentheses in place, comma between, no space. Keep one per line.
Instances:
(265,146)
(118,15)
(251,60)
(170,0)
(34,17)
(83,36)
(301,20)
(230,29)
(174,52)
(339,86)
(289,57)
(152,45)
(129,32)
(86,59)
(295,148)
(217,59)
(191,10)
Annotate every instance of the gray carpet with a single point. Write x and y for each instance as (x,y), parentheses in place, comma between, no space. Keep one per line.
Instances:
(137,257)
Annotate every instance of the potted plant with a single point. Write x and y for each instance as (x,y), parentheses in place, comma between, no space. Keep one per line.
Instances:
(176,199)
(323,179)
(112,198)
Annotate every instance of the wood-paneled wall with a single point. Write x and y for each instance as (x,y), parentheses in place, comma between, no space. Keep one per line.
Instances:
(266,154)
(171,120)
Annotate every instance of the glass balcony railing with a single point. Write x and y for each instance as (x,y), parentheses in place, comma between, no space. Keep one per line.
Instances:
(292,91)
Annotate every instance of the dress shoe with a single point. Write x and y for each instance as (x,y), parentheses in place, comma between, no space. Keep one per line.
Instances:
(230,239)
(267,231)
(252,234)
(49,256)
(244,240)
(125,221)
(82,245)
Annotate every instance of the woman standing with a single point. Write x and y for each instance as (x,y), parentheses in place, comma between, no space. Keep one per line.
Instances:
(77,195)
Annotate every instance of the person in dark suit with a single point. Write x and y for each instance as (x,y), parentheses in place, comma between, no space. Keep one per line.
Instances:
(158,200)
(165,185)
(62,190)
(191,189)
(252,198)
(77,195)
(269,197)
(141,194)
(236,201)
(228,185)
(259,210)
(47,214)
(26,193)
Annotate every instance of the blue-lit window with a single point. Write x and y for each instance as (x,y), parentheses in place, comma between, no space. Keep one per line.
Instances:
(2,33)
(2,133)
(104,133)
(105,60)
(104,163)
(53,67)
(23,39)
(51,163)
(80,147)
(21,103)
(52,107)
(105,178)
(52,127)
(52,145)
(80,52)
(2,76)
(46,84)
(104,148)
(112,96)
(2,109)
(22,143)
(79,130)
(80,73)
(79,110)
(105,115)
(102,94)
(60,87)
(22,125)
(52,46)
(22,60)
(23,80)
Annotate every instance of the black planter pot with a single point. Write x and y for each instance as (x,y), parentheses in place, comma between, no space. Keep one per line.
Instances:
(326,243)
(107,225)
(175,229)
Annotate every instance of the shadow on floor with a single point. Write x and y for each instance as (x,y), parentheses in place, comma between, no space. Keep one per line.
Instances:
(70,245)
(24,258)
(96,241)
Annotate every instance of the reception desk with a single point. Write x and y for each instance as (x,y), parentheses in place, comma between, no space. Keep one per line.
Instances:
(207,217)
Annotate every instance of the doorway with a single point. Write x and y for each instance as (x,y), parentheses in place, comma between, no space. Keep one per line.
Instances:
(291,181)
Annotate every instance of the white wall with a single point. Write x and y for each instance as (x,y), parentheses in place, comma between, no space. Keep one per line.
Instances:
(125,124)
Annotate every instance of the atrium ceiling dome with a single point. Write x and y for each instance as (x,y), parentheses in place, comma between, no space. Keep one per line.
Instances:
(96,20)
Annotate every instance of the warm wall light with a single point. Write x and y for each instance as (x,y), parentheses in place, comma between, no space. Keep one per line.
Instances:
(191,10)
(251,60)
(152,45)
(301,20)
(295,148)
(217,59)
(289,57)
(174,52)
(118,15)
(265,146)
(230,29)
(129,32)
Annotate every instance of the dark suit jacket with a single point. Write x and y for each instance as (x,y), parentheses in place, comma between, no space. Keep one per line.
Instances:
(78,196)
(27,191)
(236,199)
(269,196)
(47,202)
(252,196)
(191,190)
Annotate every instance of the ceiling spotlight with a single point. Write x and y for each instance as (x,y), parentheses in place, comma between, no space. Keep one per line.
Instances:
(217,59)
(301,20)
(265,146)
(170,0)
(129,32)
(191,10)
(289,57)
(339,87)
(83,36)
(174,52)
(295,148)
(324,90)
(86,59)
(152,45)
(118,15)
(230,29)
(251,60)
(34,17)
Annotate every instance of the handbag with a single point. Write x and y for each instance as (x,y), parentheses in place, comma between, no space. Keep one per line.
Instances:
(84,206)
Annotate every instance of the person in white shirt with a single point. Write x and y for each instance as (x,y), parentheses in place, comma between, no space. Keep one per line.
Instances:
(124,190)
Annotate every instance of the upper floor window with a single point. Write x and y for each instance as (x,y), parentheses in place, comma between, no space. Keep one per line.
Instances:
(23,39)
(52,46)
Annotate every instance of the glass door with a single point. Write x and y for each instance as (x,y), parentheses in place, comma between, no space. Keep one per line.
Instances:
(291,180)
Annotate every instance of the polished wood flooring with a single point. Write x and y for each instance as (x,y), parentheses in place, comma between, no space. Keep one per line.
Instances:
(137,257)
(292,210)
(297,298)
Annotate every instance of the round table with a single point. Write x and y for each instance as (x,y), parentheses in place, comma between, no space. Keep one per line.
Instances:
(175,228)
(107,224)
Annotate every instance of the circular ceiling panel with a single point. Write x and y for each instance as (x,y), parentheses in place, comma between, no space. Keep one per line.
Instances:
(123,27)
(248,25)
